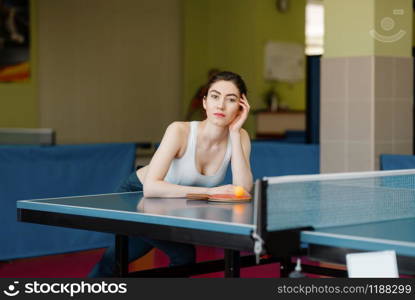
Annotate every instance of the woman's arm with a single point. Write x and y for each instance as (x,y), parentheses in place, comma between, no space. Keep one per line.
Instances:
(154,184)
(241,168)
(241,148)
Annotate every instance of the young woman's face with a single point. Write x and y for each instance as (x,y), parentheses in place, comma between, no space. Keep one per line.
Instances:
(222,102)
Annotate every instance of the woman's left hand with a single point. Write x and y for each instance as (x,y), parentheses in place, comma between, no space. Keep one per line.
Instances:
(241,117)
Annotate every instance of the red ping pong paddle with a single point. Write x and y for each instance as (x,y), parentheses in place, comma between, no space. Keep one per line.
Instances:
(219,197)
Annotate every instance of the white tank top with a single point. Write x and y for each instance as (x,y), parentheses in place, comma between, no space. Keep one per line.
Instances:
(183,170)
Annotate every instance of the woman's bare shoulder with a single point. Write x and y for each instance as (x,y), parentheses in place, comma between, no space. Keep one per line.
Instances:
(180,132)
(179,127)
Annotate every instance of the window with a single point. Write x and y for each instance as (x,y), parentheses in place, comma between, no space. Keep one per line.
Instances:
(314,27)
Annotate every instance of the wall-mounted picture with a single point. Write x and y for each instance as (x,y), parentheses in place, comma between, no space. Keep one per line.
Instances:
(14,40)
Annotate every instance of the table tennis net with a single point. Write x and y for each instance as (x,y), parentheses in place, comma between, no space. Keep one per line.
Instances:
(338,202)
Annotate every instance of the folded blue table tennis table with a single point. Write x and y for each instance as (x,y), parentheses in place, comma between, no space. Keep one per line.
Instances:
(323,216)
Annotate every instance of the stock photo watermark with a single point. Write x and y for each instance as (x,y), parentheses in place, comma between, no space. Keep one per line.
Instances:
(388,24)
(12,289)
(70,289)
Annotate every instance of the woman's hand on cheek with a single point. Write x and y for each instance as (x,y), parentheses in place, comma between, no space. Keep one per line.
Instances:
(241,117)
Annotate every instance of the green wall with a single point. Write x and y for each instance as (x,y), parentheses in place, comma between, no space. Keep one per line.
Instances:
(19,101)
(403,46)
(349,33)
(349,23)
(286,27)
(231,35)
(224,34)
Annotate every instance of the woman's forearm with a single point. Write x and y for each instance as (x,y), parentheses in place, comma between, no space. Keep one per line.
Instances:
(160,188)
(241,170)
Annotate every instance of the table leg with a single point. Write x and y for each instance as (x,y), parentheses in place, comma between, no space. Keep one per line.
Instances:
(121,255)
(286,267)
(232,263)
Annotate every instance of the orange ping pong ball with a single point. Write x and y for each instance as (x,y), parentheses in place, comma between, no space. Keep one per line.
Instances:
(239,191)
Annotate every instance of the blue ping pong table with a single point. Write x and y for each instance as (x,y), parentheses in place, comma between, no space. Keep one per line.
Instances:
(322,216)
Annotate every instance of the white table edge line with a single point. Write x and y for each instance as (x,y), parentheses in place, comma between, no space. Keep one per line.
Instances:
(343,236)
(147,214)
(80,196)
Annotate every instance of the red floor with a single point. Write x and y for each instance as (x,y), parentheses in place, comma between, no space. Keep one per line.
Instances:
(79,264)
(71,265)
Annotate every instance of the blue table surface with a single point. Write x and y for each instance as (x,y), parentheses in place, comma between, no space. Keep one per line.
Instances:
(233,218)
(398,235)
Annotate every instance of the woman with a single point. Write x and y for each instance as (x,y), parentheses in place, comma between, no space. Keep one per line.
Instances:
(193,158)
